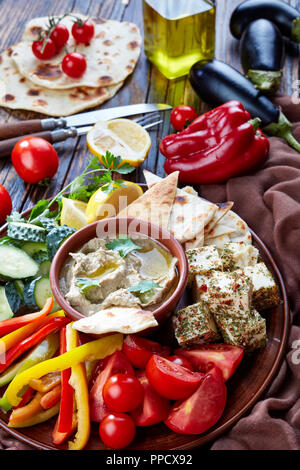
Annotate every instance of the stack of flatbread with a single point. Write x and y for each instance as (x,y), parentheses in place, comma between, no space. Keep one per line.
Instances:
(193,221)
(40,85)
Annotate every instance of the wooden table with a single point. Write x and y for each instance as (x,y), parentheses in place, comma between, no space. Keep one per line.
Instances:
(145,85)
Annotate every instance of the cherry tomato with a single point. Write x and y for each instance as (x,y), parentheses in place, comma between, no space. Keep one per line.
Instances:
(74,64)
(49,50)
(34,159)
(181,116)
(123,393)
(5,204)
(171,380)
(154,407)
(117,363)
(139,350)
(201,410)
(117,430)
(181,361)
(83,31)
(224,356)
(60,35)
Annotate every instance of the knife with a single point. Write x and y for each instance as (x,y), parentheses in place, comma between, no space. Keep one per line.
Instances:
(57,135)
(33,126)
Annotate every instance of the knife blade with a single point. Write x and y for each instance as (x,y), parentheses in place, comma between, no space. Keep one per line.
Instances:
(21,128)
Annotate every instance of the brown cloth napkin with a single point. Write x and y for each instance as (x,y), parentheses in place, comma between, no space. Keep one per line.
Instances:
(269,201)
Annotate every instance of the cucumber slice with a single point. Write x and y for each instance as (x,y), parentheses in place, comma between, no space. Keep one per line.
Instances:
(25,231)
(42,258)
(32,248)
(16,263)
(13,296)
(37,292)
(56,237)
(5,310)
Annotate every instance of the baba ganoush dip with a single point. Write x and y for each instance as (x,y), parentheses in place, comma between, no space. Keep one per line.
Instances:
(119,272)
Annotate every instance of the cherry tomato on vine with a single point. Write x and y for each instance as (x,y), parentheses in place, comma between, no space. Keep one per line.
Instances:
(5,204)
(83,31)
(123,393)
(181,116)
(41,52)
(74,64)
(34,159)
(117,430)
(60,35)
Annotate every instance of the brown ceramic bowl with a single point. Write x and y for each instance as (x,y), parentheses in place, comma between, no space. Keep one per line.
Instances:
(112,227)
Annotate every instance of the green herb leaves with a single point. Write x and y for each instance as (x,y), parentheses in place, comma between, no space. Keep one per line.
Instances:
(85,284)
(143,287)
(123,245)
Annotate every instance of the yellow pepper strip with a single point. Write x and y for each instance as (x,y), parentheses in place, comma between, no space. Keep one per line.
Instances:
(98,349)
(78,381)
(13,338)
(40,417)
(28,411)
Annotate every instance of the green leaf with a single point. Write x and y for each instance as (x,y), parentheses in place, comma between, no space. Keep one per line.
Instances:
(144,286)
(123,245)
(125,168)
(85,284)
(38,209)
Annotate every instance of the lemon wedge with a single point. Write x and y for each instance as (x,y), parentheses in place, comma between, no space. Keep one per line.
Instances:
(73,213)
(103,205)
(122,137)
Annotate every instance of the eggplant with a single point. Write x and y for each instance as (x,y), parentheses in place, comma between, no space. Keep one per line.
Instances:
(262,54)
(216,83)
(286,17)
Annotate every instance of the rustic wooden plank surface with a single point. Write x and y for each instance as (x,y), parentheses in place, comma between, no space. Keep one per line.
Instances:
(146,84)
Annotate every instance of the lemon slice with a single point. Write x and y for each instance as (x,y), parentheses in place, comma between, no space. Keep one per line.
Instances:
(103,205)
(73,213)
(122,137)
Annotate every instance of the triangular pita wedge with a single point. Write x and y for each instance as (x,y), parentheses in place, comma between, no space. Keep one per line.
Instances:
(189,213)
(232,229)
(156,204)
(116,319)
(223,208)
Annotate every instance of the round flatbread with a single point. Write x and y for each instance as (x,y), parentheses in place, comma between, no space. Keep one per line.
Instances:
(111,55)
(17,92)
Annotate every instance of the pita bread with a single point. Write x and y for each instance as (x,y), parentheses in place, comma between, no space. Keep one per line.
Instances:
(111,55)
(17,92)
(232,229)
(223,208)
(189,215)
(156,204)
(116,319)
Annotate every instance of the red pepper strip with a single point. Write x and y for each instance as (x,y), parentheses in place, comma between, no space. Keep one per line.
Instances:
(51,398)
(236,153)
(13,353)
(6,326)
(25,398)
(65,417)
(206,131)
(59,437)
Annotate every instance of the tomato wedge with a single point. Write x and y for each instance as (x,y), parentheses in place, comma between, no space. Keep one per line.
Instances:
(171,380)
(201,410)
(117,363)
(154,407)
(139,350)
(224,356)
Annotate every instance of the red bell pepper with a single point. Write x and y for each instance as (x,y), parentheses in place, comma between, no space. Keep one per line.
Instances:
(64,423)
(205,130)
(13,353)
(6,326)
(227,149)
(28,395)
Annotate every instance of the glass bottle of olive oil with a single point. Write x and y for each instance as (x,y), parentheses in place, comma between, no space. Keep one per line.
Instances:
(178,33)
